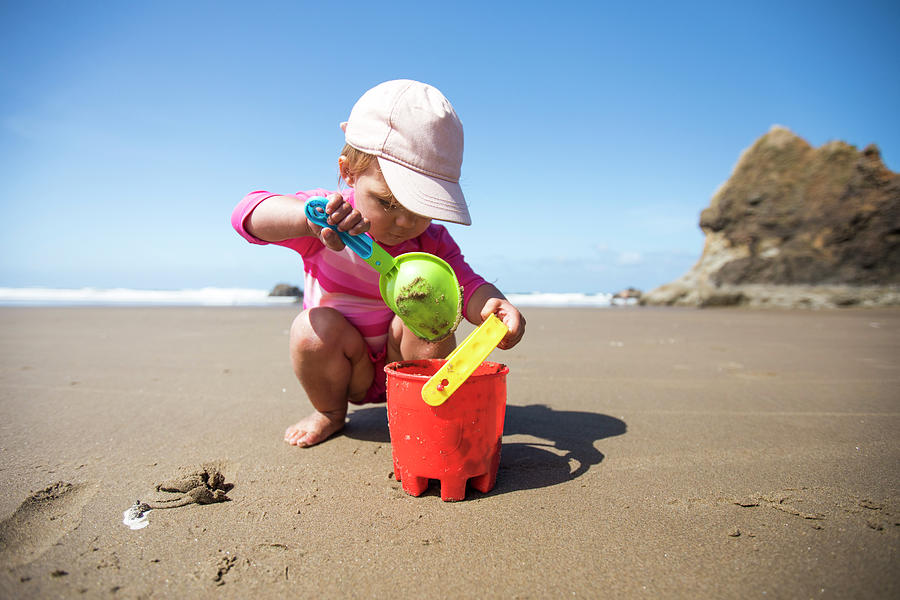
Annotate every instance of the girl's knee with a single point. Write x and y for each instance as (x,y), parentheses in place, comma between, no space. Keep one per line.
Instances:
(322,328)
(314,328)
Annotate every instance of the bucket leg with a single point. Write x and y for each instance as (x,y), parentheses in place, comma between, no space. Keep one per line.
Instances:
(453,488)
(415,486)
(412,485)
(485,482)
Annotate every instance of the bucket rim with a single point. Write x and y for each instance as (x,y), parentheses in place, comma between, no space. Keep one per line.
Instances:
(393,369)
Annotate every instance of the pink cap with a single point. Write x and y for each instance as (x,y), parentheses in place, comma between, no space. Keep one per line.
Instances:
(414,132)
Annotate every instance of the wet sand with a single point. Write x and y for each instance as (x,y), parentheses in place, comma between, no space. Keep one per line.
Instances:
(647,453)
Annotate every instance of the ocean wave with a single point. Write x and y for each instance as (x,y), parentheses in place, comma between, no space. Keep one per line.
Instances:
(568,299)
(212,296)
(208,296)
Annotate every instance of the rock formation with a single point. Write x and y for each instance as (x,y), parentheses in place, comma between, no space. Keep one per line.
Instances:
(628,295)
(286,289)
(797,226)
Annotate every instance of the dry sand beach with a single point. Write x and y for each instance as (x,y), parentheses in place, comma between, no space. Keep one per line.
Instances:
(647,453)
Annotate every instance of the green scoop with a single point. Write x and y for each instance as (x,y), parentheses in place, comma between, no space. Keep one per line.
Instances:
(419,287)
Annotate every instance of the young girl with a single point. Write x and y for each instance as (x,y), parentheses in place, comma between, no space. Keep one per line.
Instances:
(402,161)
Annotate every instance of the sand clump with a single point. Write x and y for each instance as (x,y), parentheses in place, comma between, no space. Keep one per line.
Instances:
(203,485)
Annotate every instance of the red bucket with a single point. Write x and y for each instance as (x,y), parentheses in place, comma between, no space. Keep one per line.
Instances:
(453,442)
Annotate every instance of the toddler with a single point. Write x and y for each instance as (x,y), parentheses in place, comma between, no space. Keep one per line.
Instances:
(401,161)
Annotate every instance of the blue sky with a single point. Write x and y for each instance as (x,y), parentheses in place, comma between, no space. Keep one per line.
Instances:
(596,132)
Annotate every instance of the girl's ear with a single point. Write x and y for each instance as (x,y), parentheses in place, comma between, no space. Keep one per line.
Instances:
(345,170)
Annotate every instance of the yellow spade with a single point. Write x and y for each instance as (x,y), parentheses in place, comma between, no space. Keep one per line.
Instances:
(463,361)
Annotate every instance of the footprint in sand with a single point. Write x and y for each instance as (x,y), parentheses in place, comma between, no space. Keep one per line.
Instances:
(41,521)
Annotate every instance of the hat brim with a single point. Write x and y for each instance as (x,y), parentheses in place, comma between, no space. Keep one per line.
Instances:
(428,196)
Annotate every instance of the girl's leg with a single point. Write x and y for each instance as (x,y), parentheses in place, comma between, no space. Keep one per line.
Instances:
(331,360)
(403,344)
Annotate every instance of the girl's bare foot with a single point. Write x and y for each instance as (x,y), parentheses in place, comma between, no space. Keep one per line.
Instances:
(314,428)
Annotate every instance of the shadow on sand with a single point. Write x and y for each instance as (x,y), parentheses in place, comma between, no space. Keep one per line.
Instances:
(564,448)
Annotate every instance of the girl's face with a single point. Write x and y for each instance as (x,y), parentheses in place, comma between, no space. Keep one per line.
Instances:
(391,223)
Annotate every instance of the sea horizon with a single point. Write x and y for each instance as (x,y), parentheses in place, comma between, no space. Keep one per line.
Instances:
(221,296)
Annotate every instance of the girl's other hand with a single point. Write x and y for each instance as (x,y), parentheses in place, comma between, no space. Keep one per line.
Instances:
(343,216)
(510,316)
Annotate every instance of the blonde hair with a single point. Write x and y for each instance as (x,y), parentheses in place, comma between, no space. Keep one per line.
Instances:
(357,160)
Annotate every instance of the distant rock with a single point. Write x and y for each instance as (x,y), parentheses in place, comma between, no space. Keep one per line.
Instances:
(628,294)
(797,226)
(626,297)
(285,289)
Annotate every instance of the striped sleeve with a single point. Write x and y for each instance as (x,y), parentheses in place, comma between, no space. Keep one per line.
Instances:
(245,208)
(242,211)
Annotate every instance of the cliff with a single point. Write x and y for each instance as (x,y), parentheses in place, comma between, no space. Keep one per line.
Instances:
(797,226)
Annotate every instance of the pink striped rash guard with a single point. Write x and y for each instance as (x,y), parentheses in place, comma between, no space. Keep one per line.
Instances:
(344,281)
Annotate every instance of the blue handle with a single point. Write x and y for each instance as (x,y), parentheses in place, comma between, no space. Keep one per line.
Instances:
(315,212)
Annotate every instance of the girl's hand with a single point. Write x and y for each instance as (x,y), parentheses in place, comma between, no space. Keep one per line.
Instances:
(343,216)
(510,316)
